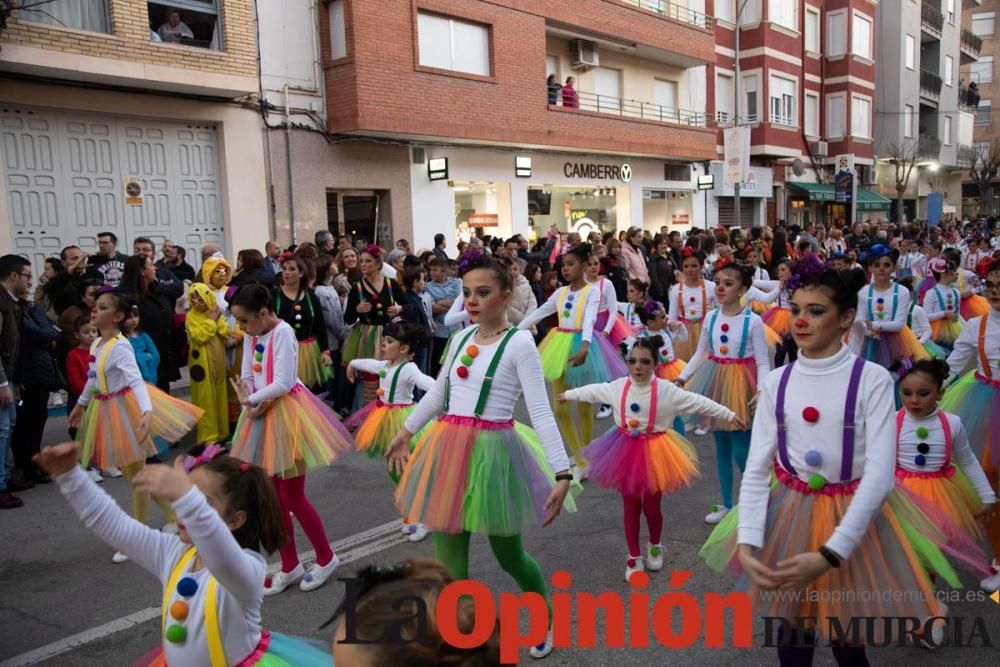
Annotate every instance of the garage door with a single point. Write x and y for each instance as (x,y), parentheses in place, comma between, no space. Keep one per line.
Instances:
(65,176)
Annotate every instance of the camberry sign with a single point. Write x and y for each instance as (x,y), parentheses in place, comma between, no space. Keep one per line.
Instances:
(607,172)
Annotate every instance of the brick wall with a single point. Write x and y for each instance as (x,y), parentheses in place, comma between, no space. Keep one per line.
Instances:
(129,39)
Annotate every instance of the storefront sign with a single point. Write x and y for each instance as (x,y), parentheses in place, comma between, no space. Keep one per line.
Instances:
(484,220)
(607,172)
(706,182)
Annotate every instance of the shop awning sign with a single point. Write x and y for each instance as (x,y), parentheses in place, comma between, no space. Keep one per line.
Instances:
(484,220)
(603,172)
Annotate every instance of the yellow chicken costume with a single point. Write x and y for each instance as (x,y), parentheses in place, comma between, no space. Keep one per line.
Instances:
(207,365)
(216,273)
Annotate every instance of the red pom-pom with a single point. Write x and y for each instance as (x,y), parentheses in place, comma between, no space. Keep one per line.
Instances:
(725,327)
(810,414)
(462,372)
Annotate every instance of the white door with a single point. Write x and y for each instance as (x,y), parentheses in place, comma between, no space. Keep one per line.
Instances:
(665,94)
(65,176)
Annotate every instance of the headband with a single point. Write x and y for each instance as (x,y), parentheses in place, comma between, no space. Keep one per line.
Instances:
(209,453)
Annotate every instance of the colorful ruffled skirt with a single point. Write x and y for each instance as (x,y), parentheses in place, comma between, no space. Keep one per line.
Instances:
(364,342)
(298,433)
(376,425)
(976,400)
(934,351)
(891,346)
(620,332)
(948,490)
(671,370)
(684,349)
(312,371)
(973,306)
(731,382)
(902,545)
(468,474)
(603,363)
(945,332)
(759,307)
(641,464)
(273,650)
(780,320)
(107,429)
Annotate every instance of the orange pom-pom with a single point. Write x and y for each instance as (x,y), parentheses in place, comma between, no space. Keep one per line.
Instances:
(380,392)
(634,423)
(472,351)
(179,610)
(256,368)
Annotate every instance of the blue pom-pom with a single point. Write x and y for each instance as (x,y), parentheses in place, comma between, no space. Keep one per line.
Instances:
(259,347)
(724,338)
(91,374)
(920,459)
(634,407)
(634,433)
(813,458)
(187,587)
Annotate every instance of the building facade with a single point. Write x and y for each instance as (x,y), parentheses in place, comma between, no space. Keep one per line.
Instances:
(981,31)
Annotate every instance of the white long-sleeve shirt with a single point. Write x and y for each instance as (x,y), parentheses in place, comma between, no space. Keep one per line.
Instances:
(120,370)
(286,364)
(940,301)
(965,353)
(961,453)
(409,376)
(911,264)
(967,283)
(240,572)
(671,401)
(884,310)
(607,301)
(519,371)
(630,312)
(577,309)
(823,384)
(726,338)
(762,291)
(457,315)
(694,307)
(667,349)
(919,323)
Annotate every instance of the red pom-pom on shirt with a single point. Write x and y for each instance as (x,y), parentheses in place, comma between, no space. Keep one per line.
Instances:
(810,414)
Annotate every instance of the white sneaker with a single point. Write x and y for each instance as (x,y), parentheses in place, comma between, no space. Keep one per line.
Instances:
(405,528)
(633,565)
(543,649)
(992,582)
(169,528)
(113,473)
(119,557)
(95,475)
(654,557)
(700,431)
(282,580)
(580,473)
(317,574)
(717,514)
(937,631)
(604,412)
(417,532)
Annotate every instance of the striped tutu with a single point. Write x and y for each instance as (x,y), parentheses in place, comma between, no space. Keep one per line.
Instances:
(731,382)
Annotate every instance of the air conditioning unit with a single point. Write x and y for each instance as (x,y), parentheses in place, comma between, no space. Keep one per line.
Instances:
(583,55)
(819,148)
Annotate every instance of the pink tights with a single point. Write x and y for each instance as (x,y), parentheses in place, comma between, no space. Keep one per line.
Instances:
(292,496)
(635,506)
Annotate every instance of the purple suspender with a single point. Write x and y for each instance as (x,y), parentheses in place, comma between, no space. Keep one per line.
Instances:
(850,409)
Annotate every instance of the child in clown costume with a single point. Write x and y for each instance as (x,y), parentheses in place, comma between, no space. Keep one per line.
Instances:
(207,333)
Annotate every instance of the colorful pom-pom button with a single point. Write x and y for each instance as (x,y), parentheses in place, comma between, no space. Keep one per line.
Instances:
(634,433)
(810,414)
(691,299)
(259,347)
(816,481)
(381,374)
(880,307)
(569,297)
(179,610)
(187,587)
(920,459)
(467,360)
(634,407)
(258,356)
(378,306)
(813,458)
(567,314)
(298,307)
(922,432)
(298,316)
(725,327)
(724,338)
(634,423)
(94,391)
(380,392)
(93,358)
(693,311)
(256,368)
(631,562)
(472,351)
(880,300)
(374,297)
(462,372)
(176,634)
(91,374)
(724,349)
(923,448)
(298,325)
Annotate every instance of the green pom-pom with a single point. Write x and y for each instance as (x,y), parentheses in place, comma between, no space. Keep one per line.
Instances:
(816,482)
(176,634)
(922,432)
(654,552)
(466,360)
(381,374)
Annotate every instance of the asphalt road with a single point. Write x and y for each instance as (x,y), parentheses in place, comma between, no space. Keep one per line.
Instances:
(63,602)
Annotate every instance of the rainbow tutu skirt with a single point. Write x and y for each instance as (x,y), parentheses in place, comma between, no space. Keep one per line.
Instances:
(891,346)
(603,363)
(948,490)
(731,382)
(312,371)
(364,342)
(376,425)
(297,433)
(780,320)
(620,331)
(646,463)
(945,331)
(469,474)
(671,370)
(973,306)
(273,650)
(934,351)
(107,430)
(684,349)
(976,400)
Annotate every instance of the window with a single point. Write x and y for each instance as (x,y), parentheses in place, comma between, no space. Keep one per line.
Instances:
(750,97)
(80,14)
(338,34)
(947,131)
(665,93)
(982,23)
(836,33)
(197,22)
(984,113)
(862,37)
(949,11)
(552,66)
(861,117)
(782,93)
(607,83)
(784,13)
(949,70)
(907,121)
(812,115)
(724,11)
(723,97)
(749,11)
(835,125)
(448,43)
(910,52)
(812,30)
(981,71)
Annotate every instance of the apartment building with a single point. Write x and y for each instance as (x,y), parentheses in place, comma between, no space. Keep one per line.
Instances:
(981,28)
(116,117)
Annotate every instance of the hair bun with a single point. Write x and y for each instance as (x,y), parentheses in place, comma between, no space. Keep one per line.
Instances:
(854,279)
(656,339)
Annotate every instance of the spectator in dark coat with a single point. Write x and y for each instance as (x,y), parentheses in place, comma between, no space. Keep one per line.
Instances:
(156,312)
(661,270)
(250,268)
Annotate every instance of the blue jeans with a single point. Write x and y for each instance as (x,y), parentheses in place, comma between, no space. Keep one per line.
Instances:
(8,417)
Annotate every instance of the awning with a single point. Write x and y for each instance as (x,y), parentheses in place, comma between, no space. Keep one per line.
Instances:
(872,201)
(814,191)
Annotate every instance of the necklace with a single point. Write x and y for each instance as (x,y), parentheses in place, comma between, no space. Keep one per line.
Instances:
(483,336)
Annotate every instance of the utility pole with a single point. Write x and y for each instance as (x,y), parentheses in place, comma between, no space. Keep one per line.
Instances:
(736,103)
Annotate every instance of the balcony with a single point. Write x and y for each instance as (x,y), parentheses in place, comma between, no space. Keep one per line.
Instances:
(605,104)
(673,11)
(970,45)
(968,99)
(930,84)
(931,21)
(966,155)
(929,147)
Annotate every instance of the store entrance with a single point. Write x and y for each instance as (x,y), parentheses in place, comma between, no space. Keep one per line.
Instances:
(354,214)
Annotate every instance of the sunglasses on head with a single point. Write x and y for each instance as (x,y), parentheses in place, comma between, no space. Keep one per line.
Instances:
(632,361)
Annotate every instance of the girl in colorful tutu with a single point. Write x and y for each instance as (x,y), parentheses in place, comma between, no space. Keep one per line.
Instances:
(211,571)
(655,323)
(572,356)
(941,302)
(880,333)
(297,304)
(928,441)
(967,283)
(118,414)
(378,423)
(779,318)
(207,333)
(831,523)
(609,322)
(975,396)
(732,354)
(285,430)
(690,301)
(917,322)
(636,295)
(641,457)
(474,470)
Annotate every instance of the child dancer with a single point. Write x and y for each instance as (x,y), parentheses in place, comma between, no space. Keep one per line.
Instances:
(207,334)
(942,304)
(473,469)
(731,356)
(297,305)
(690,301)
(212,570)
(655,323)
(567,357)
(975,397)
(918,323)
(147,357)
(118,414)
(779,318)
(610,322)
(967,283)
(637,293)
(825,526)
(641,457)
(378,423)
(284,429)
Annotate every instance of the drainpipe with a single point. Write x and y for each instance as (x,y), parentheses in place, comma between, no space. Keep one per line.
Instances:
(288,166)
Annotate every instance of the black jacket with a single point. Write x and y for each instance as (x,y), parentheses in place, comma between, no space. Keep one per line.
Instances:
(661,277)
(259,276)
(108,270)
(38,337)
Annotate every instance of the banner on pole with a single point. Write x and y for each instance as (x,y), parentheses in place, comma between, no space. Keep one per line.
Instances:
(736,150)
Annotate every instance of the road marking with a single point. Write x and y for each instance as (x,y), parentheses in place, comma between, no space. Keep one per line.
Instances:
(350,549)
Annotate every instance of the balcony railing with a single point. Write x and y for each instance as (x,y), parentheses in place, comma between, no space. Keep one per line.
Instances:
(724,117)
(930,83)
(971,43)
(966,155)
(676,12)
(782,119)
(968,98)
(931,18)
(929,147)
(636,109)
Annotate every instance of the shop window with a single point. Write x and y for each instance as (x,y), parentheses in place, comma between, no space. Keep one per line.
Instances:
(573,208)
(188,22)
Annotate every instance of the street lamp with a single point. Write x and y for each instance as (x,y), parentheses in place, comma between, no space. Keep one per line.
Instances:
(736,101)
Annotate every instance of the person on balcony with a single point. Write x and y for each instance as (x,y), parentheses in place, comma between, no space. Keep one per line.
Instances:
(972,94)
(554,89)
(569,97)
(174,30)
